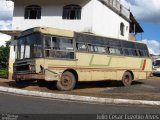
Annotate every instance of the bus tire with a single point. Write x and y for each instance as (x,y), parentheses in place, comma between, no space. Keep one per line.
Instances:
(18,81)
(67,81)
(127,79)
(41,83)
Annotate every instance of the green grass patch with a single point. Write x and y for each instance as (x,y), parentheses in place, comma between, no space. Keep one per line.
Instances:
(3,73)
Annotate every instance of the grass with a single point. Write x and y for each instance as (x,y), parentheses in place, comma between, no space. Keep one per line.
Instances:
(3,73)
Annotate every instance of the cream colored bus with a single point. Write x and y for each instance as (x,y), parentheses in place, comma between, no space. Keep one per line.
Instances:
(69,57)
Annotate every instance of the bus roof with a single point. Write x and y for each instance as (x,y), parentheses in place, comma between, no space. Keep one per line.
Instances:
(112,38)
(62,32)
(48,30)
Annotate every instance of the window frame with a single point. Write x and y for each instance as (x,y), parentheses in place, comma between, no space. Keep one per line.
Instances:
(122,29)
(86,47)
(72,9)
(32,8)
(59,50)
(19,47)
(94,46)
(122,45)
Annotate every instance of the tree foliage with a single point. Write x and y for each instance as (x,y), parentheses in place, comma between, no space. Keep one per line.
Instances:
(4,56)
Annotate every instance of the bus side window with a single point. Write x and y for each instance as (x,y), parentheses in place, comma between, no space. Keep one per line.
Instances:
(140,53)
(126,52)
(143,53)
(54,43)
(91,48)
(142,50)
(70,55)
(112,50)
(130,52)
(116,51)
(146,53)
(100,49)
(49,53)
(81,47)
(134,52)
(47,42)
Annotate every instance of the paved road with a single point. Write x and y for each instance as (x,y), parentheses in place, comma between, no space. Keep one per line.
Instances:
(30,105)
(140,90)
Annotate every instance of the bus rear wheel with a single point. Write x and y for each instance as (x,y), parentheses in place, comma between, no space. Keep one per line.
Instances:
(67,81)
(127,79)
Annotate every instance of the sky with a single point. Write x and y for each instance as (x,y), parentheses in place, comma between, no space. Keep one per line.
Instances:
(6,13)
(147,13)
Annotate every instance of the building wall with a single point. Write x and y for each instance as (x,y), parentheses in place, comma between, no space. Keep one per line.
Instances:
(12,58)
(107,23)
(52,15)
(95,17)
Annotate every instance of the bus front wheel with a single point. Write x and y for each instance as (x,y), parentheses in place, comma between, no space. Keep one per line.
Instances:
(67,81)
(127,79)
(18,81)
(41,83)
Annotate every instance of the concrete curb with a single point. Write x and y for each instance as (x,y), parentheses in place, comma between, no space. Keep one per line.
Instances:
(79,98)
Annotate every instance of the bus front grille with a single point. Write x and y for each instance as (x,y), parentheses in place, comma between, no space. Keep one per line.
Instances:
(22,68)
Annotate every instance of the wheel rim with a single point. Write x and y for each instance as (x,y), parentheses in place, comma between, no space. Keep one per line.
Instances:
(127,80)
(66,81)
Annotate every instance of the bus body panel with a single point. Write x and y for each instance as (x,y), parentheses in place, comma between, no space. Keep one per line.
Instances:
(89,69)
(109,63)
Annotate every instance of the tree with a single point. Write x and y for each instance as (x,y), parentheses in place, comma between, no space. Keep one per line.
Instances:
(4,56)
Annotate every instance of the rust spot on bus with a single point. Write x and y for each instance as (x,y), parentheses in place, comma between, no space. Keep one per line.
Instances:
(144,64)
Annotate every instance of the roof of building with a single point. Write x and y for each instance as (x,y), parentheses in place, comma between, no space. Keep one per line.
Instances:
(118,8)
(134,25)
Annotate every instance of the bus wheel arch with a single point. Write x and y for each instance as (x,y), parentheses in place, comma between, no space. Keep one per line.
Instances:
(67,80)
(127,78)
(73,72)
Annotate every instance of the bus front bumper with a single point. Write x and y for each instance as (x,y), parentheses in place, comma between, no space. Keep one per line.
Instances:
(29,76)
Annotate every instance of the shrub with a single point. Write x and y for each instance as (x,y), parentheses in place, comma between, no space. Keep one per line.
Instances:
(3,73)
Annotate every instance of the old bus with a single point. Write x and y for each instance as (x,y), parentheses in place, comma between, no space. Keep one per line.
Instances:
(69,57)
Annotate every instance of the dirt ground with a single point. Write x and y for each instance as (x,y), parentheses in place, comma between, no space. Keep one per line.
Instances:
(140,90)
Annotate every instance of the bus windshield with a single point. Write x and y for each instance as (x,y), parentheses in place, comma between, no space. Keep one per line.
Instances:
(29,46)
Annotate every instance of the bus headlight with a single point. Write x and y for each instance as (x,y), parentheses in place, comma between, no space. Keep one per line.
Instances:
(31,67)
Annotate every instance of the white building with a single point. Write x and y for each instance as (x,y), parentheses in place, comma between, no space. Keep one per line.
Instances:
(101,17)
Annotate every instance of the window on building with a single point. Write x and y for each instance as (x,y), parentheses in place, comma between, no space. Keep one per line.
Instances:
(32,12)
(72,12)
(122,28)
